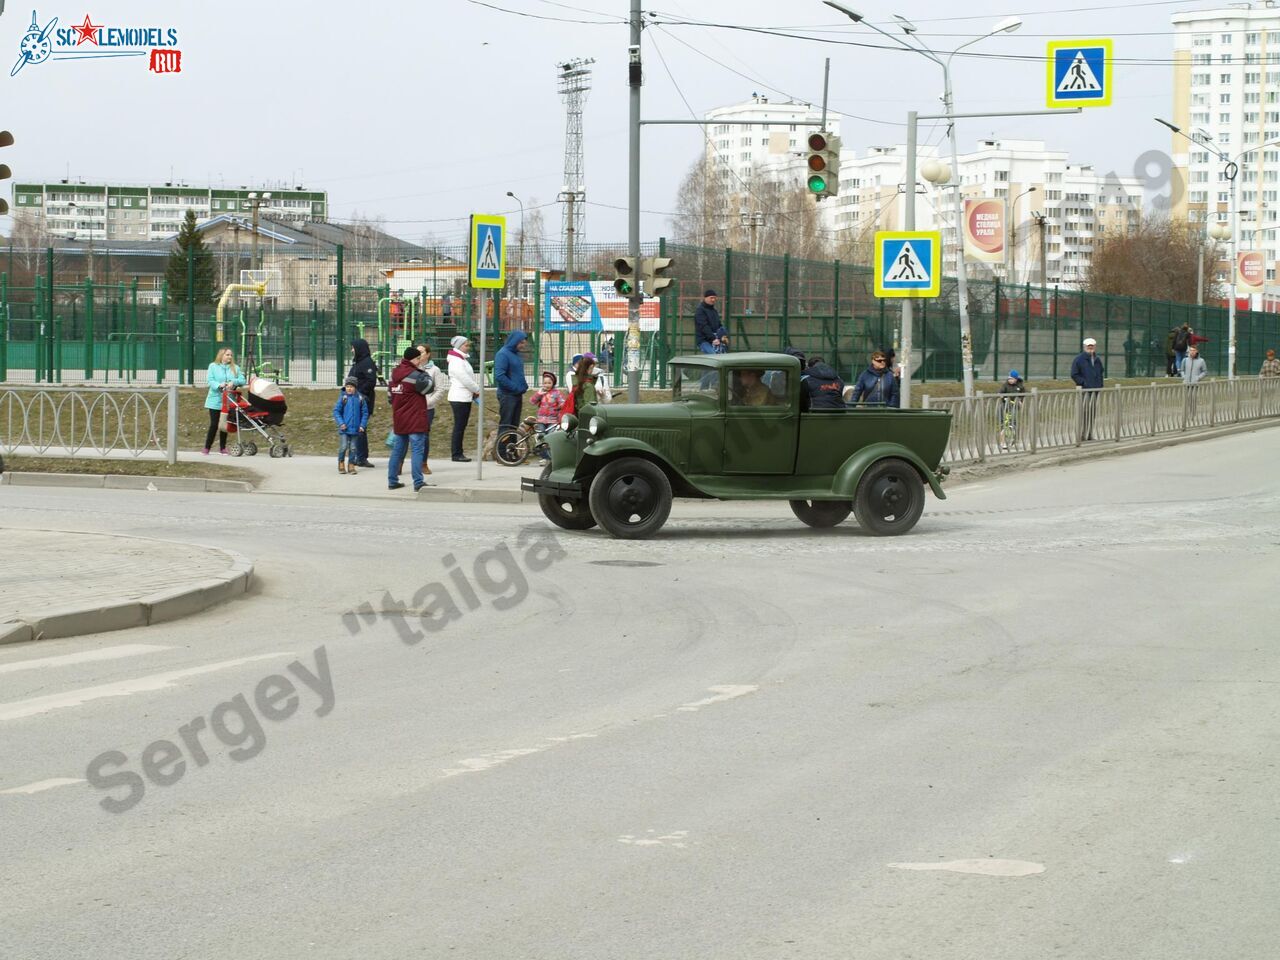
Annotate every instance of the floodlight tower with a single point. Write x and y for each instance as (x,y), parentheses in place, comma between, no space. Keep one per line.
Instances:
(574,84)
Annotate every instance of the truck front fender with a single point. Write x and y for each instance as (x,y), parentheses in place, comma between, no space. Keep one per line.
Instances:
(845,482)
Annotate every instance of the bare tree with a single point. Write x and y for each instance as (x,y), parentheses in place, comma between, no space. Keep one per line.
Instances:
(1156,260)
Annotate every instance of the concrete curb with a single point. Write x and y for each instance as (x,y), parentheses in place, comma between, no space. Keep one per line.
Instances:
(161,607)
(119,481)
(1098,450)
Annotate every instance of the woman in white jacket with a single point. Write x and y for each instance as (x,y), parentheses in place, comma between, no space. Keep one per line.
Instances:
(464,389)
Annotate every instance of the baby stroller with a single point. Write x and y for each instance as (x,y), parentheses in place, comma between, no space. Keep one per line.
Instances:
(262,413)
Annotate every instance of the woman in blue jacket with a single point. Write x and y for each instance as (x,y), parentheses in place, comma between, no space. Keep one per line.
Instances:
(876,385)
(223,373)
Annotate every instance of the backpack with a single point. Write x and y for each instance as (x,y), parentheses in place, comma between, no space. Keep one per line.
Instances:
(1181,339)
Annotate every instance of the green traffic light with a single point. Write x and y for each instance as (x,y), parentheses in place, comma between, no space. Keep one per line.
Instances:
(624,288)
(817,184)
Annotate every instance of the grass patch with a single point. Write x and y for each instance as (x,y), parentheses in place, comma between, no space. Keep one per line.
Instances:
(98,466)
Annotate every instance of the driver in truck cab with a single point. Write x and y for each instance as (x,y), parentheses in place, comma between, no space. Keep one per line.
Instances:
(749,390)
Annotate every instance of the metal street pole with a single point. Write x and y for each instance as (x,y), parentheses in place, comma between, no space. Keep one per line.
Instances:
(480,296)
(962,280)
(635,75)
(1232,173)
(908,223)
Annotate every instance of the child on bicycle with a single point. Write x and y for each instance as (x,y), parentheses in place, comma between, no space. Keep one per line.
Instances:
(1011,392)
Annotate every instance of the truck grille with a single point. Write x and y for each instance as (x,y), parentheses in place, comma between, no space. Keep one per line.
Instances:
(667,442)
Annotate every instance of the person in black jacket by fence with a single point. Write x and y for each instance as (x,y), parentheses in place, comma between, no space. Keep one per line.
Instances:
(365,372)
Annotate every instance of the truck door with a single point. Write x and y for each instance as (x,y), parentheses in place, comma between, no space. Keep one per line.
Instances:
(761,422)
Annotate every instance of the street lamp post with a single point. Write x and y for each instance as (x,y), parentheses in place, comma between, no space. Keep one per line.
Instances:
(1008,25)
(1230,170)
(1013,239)
(520,269)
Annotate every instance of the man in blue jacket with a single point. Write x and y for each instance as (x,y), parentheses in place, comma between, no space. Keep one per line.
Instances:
(1088,372)
(508,374)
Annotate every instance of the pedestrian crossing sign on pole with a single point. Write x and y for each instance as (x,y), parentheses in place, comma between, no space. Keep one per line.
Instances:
(488,252)
(908,264)
(1079,73)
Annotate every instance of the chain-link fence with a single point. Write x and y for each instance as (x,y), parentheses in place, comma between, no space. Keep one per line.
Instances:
(141,320)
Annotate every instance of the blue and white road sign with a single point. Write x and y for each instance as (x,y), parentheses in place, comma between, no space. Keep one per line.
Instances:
(1079,73)
(908,264)
(488,252)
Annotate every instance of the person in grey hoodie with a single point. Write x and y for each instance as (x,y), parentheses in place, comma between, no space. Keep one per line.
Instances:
(1194,369)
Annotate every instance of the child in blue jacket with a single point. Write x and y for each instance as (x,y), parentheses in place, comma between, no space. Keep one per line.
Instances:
(351,414)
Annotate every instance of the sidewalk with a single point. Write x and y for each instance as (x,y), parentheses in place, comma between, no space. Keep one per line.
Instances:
(55,583)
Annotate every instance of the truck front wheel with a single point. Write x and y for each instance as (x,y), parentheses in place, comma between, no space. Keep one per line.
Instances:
(822,513)
(569,514)
(890,498)
(631,498)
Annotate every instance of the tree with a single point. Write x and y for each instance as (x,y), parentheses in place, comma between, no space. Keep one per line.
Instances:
(1156,260)
(189,242)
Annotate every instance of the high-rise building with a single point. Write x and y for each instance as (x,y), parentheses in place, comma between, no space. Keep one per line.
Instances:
(1043,189)
(73,209)
(1226,92)
(743,153)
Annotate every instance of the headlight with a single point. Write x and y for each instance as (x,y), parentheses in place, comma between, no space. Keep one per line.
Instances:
(595,426)
(568,423)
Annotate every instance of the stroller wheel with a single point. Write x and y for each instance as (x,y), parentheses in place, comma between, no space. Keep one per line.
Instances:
(250,449)
(278,450)
(236,449)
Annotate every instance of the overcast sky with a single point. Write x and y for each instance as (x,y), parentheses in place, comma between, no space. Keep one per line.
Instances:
(424,112)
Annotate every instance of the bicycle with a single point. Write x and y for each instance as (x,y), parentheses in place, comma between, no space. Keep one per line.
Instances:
(1008,434)
(513,447)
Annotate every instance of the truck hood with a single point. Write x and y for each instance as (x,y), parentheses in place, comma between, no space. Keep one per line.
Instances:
(658,415)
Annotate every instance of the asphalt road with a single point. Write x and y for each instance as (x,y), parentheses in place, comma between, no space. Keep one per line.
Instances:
(741,740)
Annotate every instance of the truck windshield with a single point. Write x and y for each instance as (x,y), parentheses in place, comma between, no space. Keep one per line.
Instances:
(693,381)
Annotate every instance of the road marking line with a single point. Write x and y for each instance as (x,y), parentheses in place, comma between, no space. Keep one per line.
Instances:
(985,867)
(491,760)
(42,785)
(676,839)
(722,693)
(124,688)
(85,656)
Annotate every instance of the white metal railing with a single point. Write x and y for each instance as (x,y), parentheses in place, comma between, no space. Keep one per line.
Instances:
(1003,424)
(78,420)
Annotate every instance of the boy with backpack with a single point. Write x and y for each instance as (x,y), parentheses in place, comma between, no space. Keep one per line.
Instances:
(351,414)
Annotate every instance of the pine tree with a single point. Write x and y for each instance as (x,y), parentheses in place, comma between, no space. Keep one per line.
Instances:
(176,272)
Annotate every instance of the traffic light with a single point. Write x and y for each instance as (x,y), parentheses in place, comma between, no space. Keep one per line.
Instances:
(626,281)
(823,178)
(6,140)
(654,272)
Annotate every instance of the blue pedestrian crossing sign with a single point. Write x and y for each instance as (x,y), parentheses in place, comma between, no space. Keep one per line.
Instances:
(908,264)
(1079,73)
(488,252)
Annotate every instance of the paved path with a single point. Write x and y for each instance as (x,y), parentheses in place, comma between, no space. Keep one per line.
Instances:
(64,583)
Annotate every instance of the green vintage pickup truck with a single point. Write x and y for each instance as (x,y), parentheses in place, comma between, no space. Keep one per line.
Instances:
(735,430)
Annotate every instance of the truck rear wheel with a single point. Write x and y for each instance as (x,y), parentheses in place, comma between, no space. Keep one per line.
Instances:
(890,498)
(822,513)
(631,498)
(568,514)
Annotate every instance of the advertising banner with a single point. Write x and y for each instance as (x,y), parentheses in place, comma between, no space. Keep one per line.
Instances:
(984,231)
(1251,271)
(591,306)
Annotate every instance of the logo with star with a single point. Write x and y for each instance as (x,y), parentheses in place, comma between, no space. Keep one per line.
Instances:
(88,31)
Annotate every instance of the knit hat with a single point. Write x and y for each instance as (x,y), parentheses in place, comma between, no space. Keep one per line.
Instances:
(709,293)
(1014,375)
(457,342)
(351,382)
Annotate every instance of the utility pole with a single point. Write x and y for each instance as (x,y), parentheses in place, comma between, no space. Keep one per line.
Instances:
(255,201)
(635,76)
(1044,260)
(568,197)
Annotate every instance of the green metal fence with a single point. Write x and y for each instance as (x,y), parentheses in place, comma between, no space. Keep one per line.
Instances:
(59,328)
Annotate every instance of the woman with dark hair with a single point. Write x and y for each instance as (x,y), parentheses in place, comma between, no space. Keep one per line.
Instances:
(584,383)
